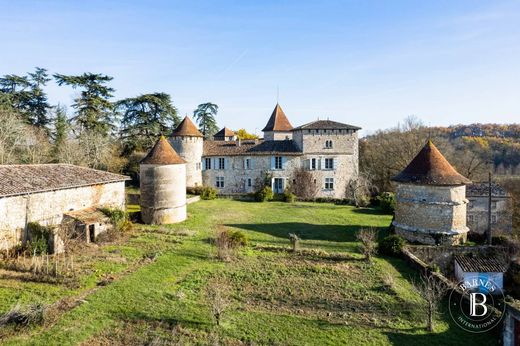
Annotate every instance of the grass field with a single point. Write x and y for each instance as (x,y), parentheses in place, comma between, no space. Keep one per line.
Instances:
(329,296)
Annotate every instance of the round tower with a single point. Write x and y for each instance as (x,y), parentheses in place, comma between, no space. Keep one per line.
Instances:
(188,142)
(431,200)
(163,185)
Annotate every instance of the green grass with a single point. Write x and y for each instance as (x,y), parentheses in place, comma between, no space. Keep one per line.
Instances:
(278,298)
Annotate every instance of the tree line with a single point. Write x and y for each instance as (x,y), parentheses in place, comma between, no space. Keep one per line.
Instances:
(99,131)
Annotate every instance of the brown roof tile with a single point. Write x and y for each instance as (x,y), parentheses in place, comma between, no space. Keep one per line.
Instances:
(430,167)
(26,179)
(225,132)
(326,125)
(162,154)
(250,147)
(187,128)
(278,121)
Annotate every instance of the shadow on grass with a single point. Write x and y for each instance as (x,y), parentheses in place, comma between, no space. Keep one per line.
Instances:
(308,231)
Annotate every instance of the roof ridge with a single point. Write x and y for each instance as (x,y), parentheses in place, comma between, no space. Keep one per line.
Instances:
(187,128)
(278,121)
(162,153)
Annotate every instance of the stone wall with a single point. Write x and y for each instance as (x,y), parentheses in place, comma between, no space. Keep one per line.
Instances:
(47,208)
(277,136)
(430,214)
(313,141)
(501,211)
(190,149)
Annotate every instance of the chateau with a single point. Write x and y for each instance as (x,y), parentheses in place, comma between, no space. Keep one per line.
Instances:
(324,151)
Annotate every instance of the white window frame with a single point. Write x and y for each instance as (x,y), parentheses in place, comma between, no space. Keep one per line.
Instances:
(221,163)
(329,184)
(329,164)
(278,162)
(219,182)
(207,162)
(314,164)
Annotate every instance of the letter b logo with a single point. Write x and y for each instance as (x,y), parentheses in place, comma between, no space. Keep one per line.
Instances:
(473,304)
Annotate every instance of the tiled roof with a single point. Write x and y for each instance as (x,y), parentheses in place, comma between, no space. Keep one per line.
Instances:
(326,125)
(187,128)
(482,189)
(480,264)
(278,121)
(430,167)
(225,132)
(250,147)
(162,153)
(26,179)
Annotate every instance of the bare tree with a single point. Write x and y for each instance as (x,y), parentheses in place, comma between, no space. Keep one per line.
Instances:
(217,297)
(360,190)
(12,134)
(367,237)
(305,185)
(432,290)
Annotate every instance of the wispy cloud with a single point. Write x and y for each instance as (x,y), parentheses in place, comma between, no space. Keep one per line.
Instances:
(230,66)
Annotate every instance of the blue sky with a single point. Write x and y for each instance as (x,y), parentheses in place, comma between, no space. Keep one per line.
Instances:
(367,63)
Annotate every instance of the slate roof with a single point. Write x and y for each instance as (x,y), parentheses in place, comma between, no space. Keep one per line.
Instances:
(430,167)
(225,132)
(481,189)
(250,147)
(26,179)
(162,153)
(480,264)
(187,128)
(326,125)
(278,121)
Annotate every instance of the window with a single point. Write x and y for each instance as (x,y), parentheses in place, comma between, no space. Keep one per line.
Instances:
(329,163)
(493,219)
(493,205)
(470,218)
(221,163)
(208,162)
(328,144)
(277,162)
(313,164)
(329,183)
(249,184)
(247,164)
(220,182)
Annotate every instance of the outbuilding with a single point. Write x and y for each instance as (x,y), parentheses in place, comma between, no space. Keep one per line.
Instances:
(468,267)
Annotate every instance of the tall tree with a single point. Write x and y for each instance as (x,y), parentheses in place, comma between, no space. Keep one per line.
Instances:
(144,118)
(15,92)
(61,127)
(205,117)
(94,111)
(38,106)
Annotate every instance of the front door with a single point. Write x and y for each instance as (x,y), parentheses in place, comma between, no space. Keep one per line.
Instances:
(278,185)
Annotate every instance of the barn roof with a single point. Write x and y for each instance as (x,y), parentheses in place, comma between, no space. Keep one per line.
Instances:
(225,132)
(326,125)
(27,179)
(278,121)
(162,153)
(187,128)
(482,189)
(481,264)
(250,147)
(430,167)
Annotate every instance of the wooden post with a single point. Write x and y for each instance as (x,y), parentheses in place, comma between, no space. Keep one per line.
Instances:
(489,235)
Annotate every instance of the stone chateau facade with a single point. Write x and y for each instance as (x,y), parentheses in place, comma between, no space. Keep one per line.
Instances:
(325,149)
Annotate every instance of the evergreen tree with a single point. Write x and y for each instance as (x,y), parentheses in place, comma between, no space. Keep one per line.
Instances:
(61,127)
(205,117)
(144,118)
(15,93)
(38,105)
(94,111)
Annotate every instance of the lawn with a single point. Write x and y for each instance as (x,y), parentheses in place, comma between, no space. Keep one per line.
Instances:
(325,295)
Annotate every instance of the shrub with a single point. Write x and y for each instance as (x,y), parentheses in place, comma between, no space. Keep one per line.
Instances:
(39,238)
(367,237)
(265,194)
(288,196)
(295,241)
(23,316)
(208,193)
(118,217)
(391,245)
(194,190)
(387,202)
(238,238)
(227,241)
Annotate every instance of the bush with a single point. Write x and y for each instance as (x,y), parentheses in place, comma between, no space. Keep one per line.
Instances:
(227,241)
(295,241)
(23,316)
(118,217)
(265,194)
(387,202)
(367,238)
(208,193)
(238,238)
(194,190)
(391,245)
(288,196)
(39,235)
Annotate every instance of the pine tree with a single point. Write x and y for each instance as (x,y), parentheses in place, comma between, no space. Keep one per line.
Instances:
(205,117)
(61,127)
(38,106)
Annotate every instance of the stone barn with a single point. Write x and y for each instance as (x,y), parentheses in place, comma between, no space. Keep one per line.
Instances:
(44,193)
(431,200)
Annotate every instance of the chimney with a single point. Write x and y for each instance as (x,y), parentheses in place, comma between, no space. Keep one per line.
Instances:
(239,142)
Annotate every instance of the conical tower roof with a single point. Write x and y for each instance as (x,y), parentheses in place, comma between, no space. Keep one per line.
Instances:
(278,121)
(430,167)
(162,154)
(187,128)
(225,132)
